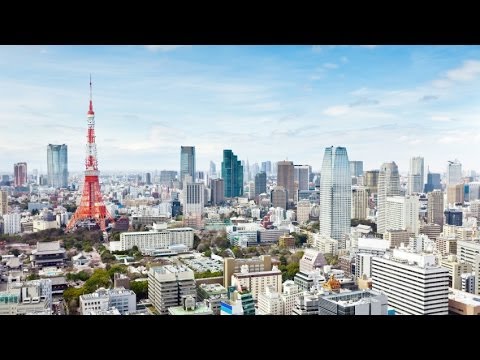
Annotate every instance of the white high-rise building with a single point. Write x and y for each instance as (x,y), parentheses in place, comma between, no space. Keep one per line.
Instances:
(388,185)
(335,195)
(11,224)
(469,251)
(290,293)
(194,199)
(303,211)
(402,213)
(415,175)
(454,172)
(270,302)
(413,283)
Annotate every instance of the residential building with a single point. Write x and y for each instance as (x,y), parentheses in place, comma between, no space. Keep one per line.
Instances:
(302,177)
(335,195)
(468,283)
(20,174)
(370,180)
(446,244)
(360,302)
(455,270)
(415,176)
(435,207)
(168,284)
(11,224)
(454,172)
(255,264)
(232,174)
(360,197)
(270,302)
(256,282)
(388,186)
(187,163)
(57,165)
(469,252)
(412,282)
(194,199)
(306,304)
(303,211)
(402,213)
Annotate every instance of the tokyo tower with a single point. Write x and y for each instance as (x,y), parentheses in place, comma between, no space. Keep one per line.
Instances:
(92,208)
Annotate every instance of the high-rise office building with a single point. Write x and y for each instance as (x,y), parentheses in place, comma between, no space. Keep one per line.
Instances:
(267,167)
(413,283)
(166,176)
(356,168)
(453,217)
(435,207)
(148,178)
(454,172)
(302,176)
(370,180)
(433,182)
(3,202)
(473,191)
(11,223)
(388,185)
(260,183)
(455,194)
(213,169)
(217,191)
(187,162)
(194,199)
(335,194)
(278,197)
(415,175)
(285,177)
(57,164)
(20,174)
(232,174)
(359,202)
(402,213)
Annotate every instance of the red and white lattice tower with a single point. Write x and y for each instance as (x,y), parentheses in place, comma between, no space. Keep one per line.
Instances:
(91,208)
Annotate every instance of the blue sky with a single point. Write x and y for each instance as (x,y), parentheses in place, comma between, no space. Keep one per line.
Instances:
(264,102)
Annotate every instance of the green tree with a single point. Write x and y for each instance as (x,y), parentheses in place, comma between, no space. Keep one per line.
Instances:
(208,253)
(237,252)
(33,277)
(283,260)
(117,268)
(140,288)
(107,256)
(99,278)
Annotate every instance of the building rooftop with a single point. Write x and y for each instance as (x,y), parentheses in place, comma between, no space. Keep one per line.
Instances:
(170,269)
(464,297)
(213,289)
(200,309)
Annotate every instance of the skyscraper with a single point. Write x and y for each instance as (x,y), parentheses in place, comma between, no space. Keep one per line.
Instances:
(3,202)
(388,185)
(335,194)
(232,174)
(217,191)
(194,199)
(302,176)
(415,175)
(187,162)
(435,207)
(267,167)
(433,182)
(359,202)
(453,217)
(57,164)
(454,172)
(371,180)
(260,183)
(356,168)
(285,177)
(278,197)
(20,174)
(213,169)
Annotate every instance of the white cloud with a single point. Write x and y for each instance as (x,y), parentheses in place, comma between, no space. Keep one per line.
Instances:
(330,66)
(164,48)
(468,71)
(441,118)
(336,110)
(441,83)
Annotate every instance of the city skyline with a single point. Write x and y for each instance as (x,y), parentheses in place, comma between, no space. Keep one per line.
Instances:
(383,103)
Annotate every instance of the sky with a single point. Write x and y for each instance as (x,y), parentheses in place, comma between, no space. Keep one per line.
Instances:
(383,103)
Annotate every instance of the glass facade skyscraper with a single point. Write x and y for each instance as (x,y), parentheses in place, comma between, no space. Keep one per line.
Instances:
(187,163)
(57,164)
(232,174)
(335,195)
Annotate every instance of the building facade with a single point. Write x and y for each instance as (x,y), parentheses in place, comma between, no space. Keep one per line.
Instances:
(187,163)
(232,174)
(217,191)
(415,176)
(286,178)
(388,185)
(435,207)
(57,165)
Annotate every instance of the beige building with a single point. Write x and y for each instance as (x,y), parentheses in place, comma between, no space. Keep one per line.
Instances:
(312,259)
(40,225)
(402,212)
(303,211)
(446,245)
(325,244)
(255,264)
(462,303)
(455,194)
(360,196)
(290,293)
(459,232)
(397,237)
(285,177)
(257,282)
(279,197)
(435,207)
(469,251)
(455,270)
(287,241)
(3,202)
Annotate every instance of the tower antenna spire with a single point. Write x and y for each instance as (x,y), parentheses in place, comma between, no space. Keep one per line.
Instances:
(90,109)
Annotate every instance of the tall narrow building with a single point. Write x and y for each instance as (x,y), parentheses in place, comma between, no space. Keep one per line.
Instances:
(57,165)
(433,182)
(302,176)
(232,174)
(285,177)
(435,207)
(187,162)
(3,202)
(359,202)
(454,172)
(370,181)
(415,175)
(217,191)
(20,174)
(388,185)
(356,168)
(335,194)
(260,183)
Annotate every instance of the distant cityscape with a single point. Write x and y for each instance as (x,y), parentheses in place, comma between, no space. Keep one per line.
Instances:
(246,236)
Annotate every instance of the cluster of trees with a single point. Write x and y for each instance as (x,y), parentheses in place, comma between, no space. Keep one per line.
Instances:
(289,265)
(82,275)
(331,259)
(133,252)
(140,288)
(208,274)
(300,238)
